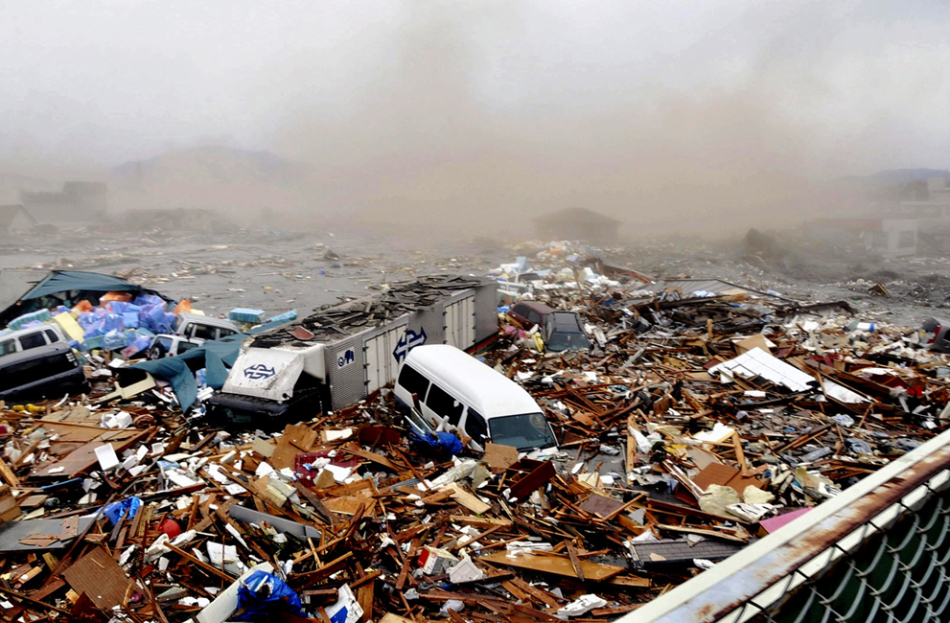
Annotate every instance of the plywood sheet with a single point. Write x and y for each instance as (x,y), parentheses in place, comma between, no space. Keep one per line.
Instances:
(554,564)
(99,576)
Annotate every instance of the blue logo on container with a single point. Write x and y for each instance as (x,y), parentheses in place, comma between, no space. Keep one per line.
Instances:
(259,371)
(407,342)
(348,357)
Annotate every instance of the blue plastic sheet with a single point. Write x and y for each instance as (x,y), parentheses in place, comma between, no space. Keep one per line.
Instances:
(215,356)
(263,595)
(114,511)
(446,443)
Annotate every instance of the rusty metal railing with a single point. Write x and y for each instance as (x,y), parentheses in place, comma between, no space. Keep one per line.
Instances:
(880,551)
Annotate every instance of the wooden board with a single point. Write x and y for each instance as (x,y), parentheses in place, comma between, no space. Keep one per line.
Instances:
(499,457)
(719,474)
(83,458)
(554,564)
(538,477)
(467,500)
(99,576)
(297,439)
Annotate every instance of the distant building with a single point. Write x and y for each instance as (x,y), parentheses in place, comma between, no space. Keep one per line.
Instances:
(578,224)
(15,218)
(890,236)
(77,202)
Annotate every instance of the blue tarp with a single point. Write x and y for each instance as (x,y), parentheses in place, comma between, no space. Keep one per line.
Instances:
(263,597)
(215,356)
(115,510)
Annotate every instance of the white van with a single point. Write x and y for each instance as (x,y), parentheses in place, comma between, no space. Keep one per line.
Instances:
(457,393)
(25,339)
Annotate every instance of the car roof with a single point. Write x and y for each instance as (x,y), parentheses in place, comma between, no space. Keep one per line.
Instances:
(208,320)
(39,352)
(563,319)
(22,332)
(491,394)
(541,308)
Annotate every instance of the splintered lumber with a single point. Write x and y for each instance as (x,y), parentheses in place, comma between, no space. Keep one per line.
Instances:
(557,565)
(480,522)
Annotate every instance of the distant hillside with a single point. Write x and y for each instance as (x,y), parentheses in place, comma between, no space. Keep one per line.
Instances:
(893,177)
(214,165)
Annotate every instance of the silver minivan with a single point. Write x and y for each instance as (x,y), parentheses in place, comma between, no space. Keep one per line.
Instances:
(25,339)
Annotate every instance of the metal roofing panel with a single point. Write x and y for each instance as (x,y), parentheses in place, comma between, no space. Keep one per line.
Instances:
(757,362)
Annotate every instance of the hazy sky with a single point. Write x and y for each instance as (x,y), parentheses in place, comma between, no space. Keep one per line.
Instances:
(108,81)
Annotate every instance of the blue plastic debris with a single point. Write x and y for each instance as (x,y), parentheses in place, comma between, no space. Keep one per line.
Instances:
(263,595)
(282,318)
(115,510)
(243,314)
(41,315)
(446,443)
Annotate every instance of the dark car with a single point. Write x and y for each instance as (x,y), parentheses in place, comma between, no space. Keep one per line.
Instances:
(49,371)
(561,330)
(935,335)
(529,313)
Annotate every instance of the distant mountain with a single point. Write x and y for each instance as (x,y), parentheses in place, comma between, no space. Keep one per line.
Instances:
(894,177)
(213,164)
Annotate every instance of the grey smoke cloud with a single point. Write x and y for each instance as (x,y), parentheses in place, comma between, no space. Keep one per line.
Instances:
(472,111)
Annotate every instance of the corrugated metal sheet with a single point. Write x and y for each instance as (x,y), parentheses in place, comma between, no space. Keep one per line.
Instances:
(347,379)
(757,362)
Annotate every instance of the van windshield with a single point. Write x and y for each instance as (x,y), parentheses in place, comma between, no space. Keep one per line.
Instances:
(528,431)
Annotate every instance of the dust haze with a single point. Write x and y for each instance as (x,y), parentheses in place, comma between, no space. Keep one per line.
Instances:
(473,118)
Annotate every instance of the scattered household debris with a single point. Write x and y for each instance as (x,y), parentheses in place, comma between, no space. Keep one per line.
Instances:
(701,417)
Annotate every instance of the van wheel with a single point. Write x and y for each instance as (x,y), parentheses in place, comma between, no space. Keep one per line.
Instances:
(156,352)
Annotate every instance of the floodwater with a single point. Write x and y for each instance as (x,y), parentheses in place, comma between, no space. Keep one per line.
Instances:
(278,270)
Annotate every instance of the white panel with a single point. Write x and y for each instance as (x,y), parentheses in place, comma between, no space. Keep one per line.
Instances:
(460,323)
(451,324)
(468,321)
(381,365)
(372,364)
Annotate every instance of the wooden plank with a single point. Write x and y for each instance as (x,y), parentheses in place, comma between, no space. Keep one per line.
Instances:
(537,478)
(631,581)
(99,576)
(83,458)
(297,439)
(467,500)
(8,474)
(557,565)
(209,568)
(480,522)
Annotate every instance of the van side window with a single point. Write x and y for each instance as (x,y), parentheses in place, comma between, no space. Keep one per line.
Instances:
(203,332)
(475,426)
(32,340)
(444,405)
(7,347)
(414,382)
(225,333)
(534,316)
(51,336)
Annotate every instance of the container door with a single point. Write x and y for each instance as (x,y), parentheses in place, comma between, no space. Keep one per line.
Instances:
(381,365)
(460,323)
